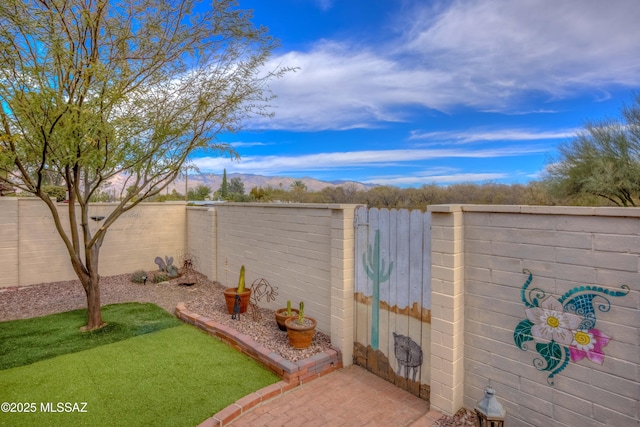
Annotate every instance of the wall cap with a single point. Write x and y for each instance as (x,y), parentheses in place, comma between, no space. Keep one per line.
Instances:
(540,210)
(291,205)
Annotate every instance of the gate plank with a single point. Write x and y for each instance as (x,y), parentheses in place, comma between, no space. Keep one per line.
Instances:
(403,277)
(362,241)
(384,227)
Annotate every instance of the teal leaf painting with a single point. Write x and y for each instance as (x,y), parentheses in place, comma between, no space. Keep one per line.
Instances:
(564,329)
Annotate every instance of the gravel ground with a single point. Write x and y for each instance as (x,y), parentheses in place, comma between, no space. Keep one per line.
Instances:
(462,418)
(204,297)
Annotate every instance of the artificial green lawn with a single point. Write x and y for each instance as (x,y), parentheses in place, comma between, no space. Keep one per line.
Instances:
(178,376)
(29,340)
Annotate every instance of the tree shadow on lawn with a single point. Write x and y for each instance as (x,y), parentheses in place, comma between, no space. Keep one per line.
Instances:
(26,341)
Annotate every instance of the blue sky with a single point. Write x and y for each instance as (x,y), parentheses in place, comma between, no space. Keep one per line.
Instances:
(410,92)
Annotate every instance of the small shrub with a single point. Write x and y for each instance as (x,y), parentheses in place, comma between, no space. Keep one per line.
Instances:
(55,192)
(138,276)
(160,277)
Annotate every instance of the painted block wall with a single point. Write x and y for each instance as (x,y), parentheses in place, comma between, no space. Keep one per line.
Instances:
(288,245)
(35,252)
(9,241)
(563,248)
(201,239)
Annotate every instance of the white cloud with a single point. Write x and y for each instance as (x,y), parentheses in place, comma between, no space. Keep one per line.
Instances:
(274,165)
(337,87)
(248,144)
(479,135)
(487,54)
(426,179)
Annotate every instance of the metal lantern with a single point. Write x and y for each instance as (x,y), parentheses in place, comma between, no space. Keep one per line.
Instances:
(489,411)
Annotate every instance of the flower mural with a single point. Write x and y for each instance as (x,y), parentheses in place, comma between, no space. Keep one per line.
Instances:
(588,344)
(563,329)
(551,322)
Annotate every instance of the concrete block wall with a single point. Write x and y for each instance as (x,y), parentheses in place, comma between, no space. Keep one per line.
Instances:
(202,239)
(342,320)
(9,241)
(34,252)
(305,250)
(563,248)
(447,308)
(140,235)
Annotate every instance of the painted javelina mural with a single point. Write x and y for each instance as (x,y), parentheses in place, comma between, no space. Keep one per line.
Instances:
(408,353)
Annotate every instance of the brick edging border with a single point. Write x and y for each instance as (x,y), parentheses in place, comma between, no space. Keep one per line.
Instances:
(293,374)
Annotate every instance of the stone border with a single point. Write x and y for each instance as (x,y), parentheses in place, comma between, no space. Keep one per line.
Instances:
(293,374)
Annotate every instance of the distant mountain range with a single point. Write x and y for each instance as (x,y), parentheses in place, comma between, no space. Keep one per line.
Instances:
(250,181)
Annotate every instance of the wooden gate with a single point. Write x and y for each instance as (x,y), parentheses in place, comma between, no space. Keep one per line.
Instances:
(393,296)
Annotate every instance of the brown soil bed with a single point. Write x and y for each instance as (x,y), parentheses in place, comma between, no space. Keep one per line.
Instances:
(205,297)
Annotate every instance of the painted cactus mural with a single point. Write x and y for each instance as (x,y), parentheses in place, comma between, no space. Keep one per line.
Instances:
(375,268)
(563,329)
(393,296)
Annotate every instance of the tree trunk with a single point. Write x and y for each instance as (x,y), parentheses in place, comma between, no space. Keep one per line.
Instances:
(91,283)
(94,311)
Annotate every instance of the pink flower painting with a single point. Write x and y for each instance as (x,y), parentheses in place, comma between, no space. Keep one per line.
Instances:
(564,330)
(588,344)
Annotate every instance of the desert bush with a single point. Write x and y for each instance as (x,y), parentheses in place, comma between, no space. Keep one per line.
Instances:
(138,276)
(160,277)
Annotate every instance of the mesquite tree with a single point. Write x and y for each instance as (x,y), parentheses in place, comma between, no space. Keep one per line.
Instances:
(602,160)
(91,89)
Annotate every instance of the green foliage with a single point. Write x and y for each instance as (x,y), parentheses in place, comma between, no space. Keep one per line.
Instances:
(533,193)
(201,192)
(298,190)
(138,276)
(224,187)
(603,160)
(160,277)
(173,196)
(100,197)
(288,307)
(236,197)
(236,186)
(55,192)
(258,193)
(95,90)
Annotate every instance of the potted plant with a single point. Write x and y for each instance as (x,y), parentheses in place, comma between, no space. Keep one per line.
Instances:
(300,329)
(283,314)
(244,294)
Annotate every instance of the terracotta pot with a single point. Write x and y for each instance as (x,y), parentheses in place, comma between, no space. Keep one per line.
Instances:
(281,316)
(230,299)
(300,336)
